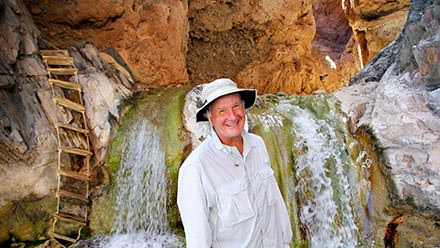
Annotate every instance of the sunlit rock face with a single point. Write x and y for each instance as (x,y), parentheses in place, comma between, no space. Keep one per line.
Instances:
(375,24)
(283,45)
(151,36)
(265,45)
(288,46)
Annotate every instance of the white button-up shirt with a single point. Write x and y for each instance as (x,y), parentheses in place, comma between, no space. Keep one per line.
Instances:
(229,200)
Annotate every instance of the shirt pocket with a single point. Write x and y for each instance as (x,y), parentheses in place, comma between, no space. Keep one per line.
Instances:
(268,184)
(234,204)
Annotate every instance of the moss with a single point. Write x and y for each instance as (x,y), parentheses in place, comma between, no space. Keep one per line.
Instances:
(163,109)
(115,149)
(27,221)
(102,213)
(176,140)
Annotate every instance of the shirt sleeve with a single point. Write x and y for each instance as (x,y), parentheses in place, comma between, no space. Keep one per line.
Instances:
(192,203)
(284,217)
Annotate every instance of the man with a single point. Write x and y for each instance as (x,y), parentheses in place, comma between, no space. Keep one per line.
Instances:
(227,194)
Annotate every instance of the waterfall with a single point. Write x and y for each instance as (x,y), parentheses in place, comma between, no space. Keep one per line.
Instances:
(317,167)
(320,214)
(141,193)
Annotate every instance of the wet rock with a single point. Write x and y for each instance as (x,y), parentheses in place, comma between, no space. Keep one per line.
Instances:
(406,129)
(102,107)
(105,89)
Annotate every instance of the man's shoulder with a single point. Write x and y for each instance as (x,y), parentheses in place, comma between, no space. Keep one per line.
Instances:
(194,156)
(255,139)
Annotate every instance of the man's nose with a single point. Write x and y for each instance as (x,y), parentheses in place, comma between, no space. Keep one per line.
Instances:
(232,114)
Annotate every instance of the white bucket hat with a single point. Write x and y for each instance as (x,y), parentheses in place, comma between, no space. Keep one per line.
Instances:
(221,87)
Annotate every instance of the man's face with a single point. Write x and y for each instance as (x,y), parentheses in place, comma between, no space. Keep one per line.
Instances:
(227,117)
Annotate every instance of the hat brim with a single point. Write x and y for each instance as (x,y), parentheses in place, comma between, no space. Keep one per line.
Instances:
(248,96)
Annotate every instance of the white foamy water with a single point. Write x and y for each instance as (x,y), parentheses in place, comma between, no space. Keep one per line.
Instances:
(141,192)
(325,177)
(329,224)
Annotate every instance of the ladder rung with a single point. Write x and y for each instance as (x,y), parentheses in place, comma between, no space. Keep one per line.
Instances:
(68,104)
(62,237)
(65,84)
(73,150)
(70,127)
(54,52)
(72,195)
(70,218)
(74,174)
(62,71)
(58,60)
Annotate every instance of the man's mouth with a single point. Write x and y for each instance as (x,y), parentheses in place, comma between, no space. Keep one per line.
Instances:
(232,125)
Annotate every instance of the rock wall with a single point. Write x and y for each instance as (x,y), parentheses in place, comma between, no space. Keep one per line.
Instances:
(27,139)
(28,146)
(375,24)
(151,36)
(260,44)
(396,99)
(289,46)
(283,45)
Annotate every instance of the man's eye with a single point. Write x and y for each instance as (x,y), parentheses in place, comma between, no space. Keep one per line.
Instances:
(221,111)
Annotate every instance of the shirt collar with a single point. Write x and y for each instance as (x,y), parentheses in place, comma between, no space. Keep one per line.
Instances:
(247,144)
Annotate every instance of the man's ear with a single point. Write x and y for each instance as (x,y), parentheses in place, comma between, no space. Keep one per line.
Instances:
(208,116)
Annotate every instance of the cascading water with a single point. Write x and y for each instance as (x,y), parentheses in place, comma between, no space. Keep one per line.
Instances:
(317,167)
(141,194)
(320,213)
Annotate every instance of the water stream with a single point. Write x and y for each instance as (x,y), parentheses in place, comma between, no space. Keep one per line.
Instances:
(320,168)
(141,194)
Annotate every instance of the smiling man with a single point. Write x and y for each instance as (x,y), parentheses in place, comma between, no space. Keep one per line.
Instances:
(227,194)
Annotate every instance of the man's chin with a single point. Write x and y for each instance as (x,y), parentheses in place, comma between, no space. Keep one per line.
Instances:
(235,133)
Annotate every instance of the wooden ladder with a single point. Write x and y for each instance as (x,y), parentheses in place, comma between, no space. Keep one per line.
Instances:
(73,149)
